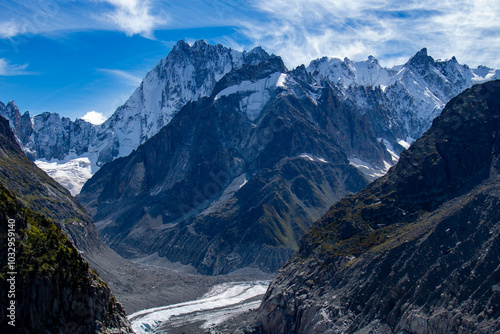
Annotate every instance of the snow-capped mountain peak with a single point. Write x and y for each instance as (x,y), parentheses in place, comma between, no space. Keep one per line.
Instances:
(402,101)
(417,91)
(186,74)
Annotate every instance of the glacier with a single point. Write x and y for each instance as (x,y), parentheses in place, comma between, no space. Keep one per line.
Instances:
(222,302)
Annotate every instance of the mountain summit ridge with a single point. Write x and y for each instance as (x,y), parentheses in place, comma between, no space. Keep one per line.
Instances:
(401,110)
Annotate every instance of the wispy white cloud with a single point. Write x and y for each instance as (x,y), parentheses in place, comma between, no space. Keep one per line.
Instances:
(48,17)
(126,77)
(298,30)
(301,30)
(8,69)
(136,17)
(10,29)
(94,117)
(470,29)
(33,17)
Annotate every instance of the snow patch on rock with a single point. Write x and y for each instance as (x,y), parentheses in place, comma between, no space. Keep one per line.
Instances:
(255,94)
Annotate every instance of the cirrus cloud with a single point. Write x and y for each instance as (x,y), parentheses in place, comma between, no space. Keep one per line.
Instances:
(297,30)
(8,69)
(135,17)
(57,17)
(301,30)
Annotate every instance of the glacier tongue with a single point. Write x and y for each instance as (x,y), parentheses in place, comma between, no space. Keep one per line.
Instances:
(224,301)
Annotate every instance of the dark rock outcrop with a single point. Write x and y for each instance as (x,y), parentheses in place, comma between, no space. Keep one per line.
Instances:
(414,252)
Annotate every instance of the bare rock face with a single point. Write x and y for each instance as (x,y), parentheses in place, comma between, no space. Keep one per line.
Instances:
(414,252)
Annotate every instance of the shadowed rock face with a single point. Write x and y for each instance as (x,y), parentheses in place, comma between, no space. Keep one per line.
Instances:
(54,289)
(417,250)
(221,187)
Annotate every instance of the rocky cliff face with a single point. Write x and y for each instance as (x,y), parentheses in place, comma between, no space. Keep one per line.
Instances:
(20,125)
(57,137)
(414,252)
(54,290)
(235,179)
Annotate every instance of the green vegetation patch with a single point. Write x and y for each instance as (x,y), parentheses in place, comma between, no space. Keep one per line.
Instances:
(42,249)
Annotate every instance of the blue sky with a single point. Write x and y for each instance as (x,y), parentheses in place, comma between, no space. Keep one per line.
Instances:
(73,57)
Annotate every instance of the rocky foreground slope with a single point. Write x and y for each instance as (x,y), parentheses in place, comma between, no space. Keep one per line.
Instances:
(48,283)
(417,250)
(54,291)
